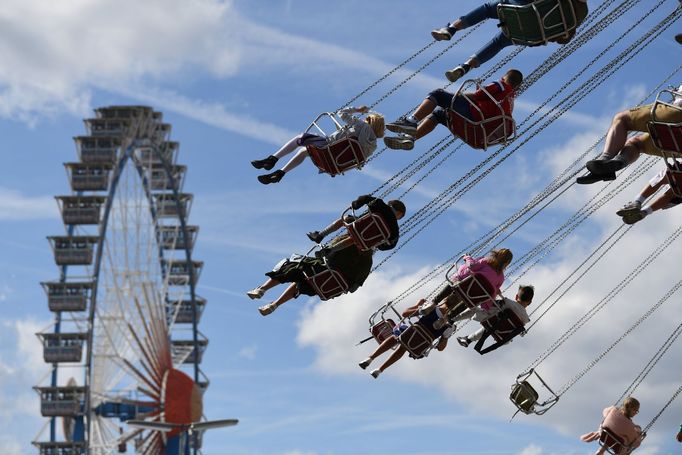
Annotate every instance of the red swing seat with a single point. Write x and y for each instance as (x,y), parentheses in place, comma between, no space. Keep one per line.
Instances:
(483,133)
(480,135)
(328,284)
(474,290)
(337,157)
(613,443)
(417,341)
(667,136)
(382,330)
(368,231)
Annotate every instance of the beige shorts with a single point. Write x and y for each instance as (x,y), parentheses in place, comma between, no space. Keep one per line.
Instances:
(640,118)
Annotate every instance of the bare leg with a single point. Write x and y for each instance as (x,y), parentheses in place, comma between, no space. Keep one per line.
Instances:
(269,284)
(425,127)
(425,108)
(617,135)
(288,294)
(662,201)
(383,347)
(632,149)
(397,354)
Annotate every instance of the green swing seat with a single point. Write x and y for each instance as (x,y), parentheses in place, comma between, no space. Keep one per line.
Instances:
(538,22)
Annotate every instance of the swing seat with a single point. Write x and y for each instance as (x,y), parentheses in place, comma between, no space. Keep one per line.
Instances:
(613,443)
(537,23)
(383,330)
(481,135)
(338,157)
(503,327)
(524,396)
(473,290)
(368,231)
(328,284)
(666,136)
(417,341)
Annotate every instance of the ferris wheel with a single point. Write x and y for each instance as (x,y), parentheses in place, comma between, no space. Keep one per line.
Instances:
(125,344)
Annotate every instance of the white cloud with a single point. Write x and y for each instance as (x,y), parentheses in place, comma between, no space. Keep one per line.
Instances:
(482,382)
(53,52)
(15,206)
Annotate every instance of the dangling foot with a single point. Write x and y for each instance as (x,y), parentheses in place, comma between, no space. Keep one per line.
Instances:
(274,177)
(457,72)
(315,236)
(605,167)
(403,125)
(678,38)
(400,142)
(266,163)
(443,34)
(256,293)
(375,373)
(463,341)
(630,208)
(365,363)
(267,309)
(592,178)
(633,217)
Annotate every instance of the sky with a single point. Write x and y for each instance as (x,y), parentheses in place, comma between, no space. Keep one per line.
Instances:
(238,78)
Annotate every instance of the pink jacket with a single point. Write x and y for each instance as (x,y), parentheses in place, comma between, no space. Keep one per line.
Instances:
(480,265)
(620,425)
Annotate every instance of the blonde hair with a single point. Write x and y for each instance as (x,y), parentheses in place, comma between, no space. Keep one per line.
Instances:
(499,259)
(376,121)
(630,407)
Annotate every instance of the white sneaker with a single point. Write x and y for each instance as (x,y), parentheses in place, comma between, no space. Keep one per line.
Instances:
(400,142)
(629,208)
(455,73)
(365,363)
(256,293)
(441,34)
(267,309)
(375,373)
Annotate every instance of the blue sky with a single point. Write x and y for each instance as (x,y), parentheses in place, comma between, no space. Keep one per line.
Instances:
(236,79)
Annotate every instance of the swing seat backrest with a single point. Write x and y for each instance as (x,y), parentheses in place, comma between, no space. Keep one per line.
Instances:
(383,330)
(666,136)
(503,324)
(337,157)
(537,23)
(368,231)
(328,284)
(474,290)
(416,340)
(613,443)
(524,397)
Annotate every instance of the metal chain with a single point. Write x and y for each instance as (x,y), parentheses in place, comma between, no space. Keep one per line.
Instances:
(606,299)
(387,75)
(653,421)
(660,352)
(596,360)
(569,102)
